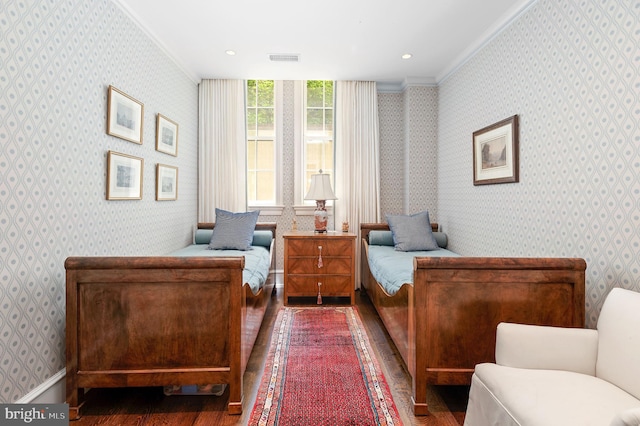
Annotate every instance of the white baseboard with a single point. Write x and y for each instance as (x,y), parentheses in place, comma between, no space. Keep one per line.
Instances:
(51,391)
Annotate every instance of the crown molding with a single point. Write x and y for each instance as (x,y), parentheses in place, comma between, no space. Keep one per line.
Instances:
(516,11)
(401,86)
(140,24)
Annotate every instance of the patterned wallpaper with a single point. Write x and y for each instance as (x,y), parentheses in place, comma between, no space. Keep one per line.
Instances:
(57,60)
(408,151)
(392,168)
(421,148)
(571,71)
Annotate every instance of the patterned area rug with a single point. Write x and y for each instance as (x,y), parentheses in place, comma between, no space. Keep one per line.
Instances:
(321,370)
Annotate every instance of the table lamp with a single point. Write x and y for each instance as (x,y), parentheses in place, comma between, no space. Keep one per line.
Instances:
(320,190)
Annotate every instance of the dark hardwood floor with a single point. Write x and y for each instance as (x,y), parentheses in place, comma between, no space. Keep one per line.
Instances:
(149,406)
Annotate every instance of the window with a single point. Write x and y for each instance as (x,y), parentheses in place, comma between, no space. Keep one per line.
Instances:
(264,139)
(315,148)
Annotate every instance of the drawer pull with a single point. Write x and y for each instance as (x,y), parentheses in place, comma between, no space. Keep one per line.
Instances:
(320,264)
(319,295)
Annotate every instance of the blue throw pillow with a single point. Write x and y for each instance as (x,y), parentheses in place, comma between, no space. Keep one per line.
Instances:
(412,232)
(233,231)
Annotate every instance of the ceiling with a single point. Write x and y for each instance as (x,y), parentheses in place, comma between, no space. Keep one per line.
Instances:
(335,39)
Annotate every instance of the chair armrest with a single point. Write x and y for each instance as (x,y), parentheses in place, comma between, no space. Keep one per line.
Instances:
(630,417)
(548,348)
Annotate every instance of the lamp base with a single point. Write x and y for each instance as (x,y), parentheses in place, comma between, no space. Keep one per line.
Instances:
(320,217)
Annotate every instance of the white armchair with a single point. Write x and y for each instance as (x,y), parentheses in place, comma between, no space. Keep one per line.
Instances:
(563,376)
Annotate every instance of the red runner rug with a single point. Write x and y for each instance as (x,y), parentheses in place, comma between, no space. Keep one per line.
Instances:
(321,370)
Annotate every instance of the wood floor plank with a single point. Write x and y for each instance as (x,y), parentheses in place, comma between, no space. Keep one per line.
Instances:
(149,406)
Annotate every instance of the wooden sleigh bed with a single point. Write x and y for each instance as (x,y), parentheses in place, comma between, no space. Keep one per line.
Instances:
(445,322)
(161,320)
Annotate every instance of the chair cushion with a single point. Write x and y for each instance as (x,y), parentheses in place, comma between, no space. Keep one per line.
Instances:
(552,397)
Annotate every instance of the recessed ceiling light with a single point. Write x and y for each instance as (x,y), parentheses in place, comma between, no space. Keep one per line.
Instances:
(407,56)
(230,52)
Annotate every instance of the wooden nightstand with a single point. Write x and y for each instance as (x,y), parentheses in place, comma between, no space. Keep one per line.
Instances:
(311,258)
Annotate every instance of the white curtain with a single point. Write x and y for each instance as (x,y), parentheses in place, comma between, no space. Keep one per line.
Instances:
(357,158)
(222,148)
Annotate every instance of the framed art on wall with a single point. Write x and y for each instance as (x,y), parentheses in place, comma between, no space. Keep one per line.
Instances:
(124,176)
(166,182)
(495,153)
(166,135)
(124,116)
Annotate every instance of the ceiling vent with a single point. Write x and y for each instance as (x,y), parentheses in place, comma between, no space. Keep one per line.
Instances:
(284,57)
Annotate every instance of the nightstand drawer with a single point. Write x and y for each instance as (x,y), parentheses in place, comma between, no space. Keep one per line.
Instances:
(332,285)
(330,247)
(309,265)
(303,250)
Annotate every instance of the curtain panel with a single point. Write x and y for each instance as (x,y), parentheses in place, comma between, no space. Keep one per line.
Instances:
(357,158)
(222,148)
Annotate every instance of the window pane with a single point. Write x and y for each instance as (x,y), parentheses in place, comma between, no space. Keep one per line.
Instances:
(261,144)
(251,155)
(315,93)
(251,123)
(266,122)
(265,182)
(328,121)
(265,158)
(318,136)
(328,94)
(314,120)
(265,93)
(251,93)
(251,185)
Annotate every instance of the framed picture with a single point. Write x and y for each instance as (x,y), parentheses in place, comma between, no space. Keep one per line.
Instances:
(124,176)
(166,182)
(124,116)
(495,153)
(166,135)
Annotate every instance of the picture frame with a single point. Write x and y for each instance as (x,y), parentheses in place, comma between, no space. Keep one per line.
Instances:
(166,182)
(125,116)
(495,153)
(166,135)
(124,176)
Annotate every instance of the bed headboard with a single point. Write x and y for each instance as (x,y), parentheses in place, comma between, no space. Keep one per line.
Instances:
(365,228)
(260,226)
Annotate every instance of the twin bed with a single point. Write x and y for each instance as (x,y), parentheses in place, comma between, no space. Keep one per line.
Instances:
(191,318)
(441,310)
(188,318)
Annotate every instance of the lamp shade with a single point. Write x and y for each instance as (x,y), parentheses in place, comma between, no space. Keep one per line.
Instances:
(320,188)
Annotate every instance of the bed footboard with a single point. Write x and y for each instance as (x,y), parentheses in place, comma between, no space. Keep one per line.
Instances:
(458,303)
(153,321)
(444,324)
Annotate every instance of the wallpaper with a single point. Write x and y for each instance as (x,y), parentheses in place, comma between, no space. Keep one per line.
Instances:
(408,151)
(392,169)
(57,59)
(421,147)
(571,71)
